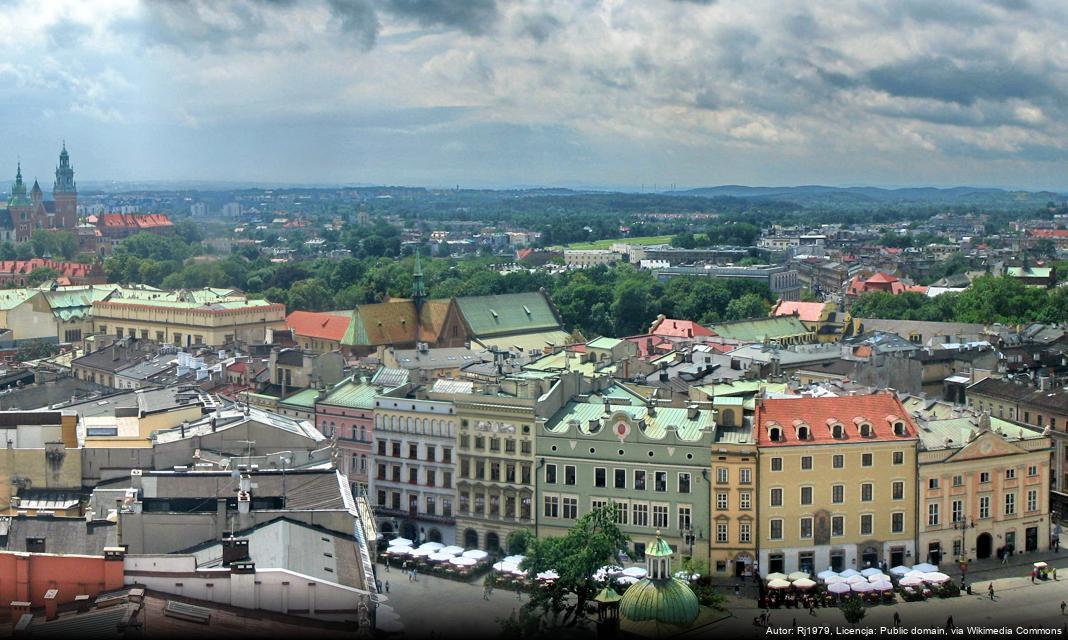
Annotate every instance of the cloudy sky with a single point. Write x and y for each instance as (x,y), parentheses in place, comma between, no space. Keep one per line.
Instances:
(549,92)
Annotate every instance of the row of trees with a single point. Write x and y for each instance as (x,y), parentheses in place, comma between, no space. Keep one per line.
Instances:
(989,299)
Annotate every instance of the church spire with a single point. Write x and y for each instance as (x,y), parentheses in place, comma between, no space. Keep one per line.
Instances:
(18,190)
(418,284)
(64,173)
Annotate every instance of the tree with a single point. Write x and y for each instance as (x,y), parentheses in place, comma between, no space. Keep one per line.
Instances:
(749,305)
(853,610)
(35,350)
(519,540)
(23,251)
(310,295)
(43,274)
(593,541)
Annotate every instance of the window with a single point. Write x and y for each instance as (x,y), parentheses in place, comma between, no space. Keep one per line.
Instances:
(600,477)
(660,516)
(838,494)
(1010,504)
(984,477)
(899,457)
(897,522)
(776,464)
(838,461)
(745,475)
(745,501)
(570,508)
(569,474)
(639,480)
(984,507)
(957,510)
(775,529)
(806,527)
(866,492)
(865,460)
(866,521)
(721,501)
(1032,500)
(721,532)
(837,526)
(775,433)
(640,514)
(597,503)
(776,497)
(898,490)
(685,518)
(552,507)
(932,483)
(722,475)
(745,532)
(1032,470)
(837,432)
(621,512)
(932,514)
(621,479)
(1010,473)
(806,463)
(660,481)
(958,481)
(550,474)
(413,451)
(806,495)
(802,433)
(684,483)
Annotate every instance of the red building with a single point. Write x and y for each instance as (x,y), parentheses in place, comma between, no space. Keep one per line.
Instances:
(116,226)
(17,272)
(28,577)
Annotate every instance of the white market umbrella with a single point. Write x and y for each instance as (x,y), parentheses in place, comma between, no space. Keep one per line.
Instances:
(838,587)
(627,580)
(548,575)
(775,576)
(440,557)
(1041,565)
(475,554)
(915,574)
(899,570)
(857,579)
(871,571)
(635,572)
(433,546)
(849,573)
(421,553)
(463,562)
(514,570)
(797,575)
(861,587)
(925,567)
(827,573)
(452,550)
(399,550)
(608,571)
(834,580)
(935,577)
(882,585)
(504,566)
(804,583)
(910,581)
(877,577)
(778,583)
(516,559)
(400,542)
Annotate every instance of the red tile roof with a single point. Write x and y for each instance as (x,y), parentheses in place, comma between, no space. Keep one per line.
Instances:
(65,269)
(1048,233)
(671,328)
(883,277)
(136,220)
(789,415)
(326,326)
(806,311)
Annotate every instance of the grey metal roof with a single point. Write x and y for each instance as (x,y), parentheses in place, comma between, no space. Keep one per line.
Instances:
(61,535)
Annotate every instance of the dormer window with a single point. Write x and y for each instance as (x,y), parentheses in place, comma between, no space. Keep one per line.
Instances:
(865,430)
(899,429)
(775,433)
(838,431)
(803,432)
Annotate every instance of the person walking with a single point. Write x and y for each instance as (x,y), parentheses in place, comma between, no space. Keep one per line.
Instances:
(990,590)
(1063,605)
(387,586)
(812,607)
(518,592)
(897,619)
(1033,571)
(949,624)
(387,565)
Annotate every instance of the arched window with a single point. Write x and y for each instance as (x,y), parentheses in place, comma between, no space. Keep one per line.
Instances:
(775,433)
(838,431)
(899,429)
(865,430)
(803,432)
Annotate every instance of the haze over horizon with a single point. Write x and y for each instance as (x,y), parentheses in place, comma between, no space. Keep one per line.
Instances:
(585,93)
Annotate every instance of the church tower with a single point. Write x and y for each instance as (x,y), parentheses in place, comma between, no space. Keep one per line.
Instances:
(65,193)
(19,207)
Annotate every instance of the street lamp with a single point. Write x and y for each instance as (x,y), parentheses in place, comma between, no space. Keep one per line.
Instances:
(963,524)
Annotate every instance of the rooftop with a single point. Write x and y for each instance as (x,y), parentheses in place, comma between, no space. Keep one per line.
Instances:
(877,414)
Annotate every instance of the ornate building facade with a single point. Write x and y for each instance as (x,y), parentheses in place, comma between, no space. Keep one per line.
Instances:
(28,212)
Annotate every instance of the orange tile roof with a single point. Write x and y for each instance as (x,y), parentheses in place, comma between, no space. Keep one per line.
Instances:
(136,220)
(65,269)
(326,326)
(807,311)
(671,328)
(880,410)
(883,277)
(1048,233)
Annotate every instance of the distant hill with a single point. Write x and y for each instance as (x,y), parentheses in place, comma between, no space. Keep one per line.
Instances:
(818,195)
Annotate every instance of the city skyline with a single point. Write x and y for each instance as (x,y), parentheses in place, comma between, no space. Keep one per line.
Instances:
(580,94)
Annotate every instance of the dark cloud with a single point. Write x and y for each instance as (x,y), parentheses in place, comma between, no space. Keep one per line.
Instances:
(358,19)
(65,33)
(471,16)
(539,26)
(947,80)
(198,24)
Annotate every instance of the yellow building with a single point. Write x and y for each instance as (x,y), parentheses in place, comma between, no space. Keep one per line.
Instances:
(984,488)
(40,455)
(209,317)
(734,495)
(837,479)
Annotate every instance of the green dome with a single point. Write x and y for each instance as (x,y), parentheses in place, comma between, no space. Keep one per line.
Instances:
(669,601)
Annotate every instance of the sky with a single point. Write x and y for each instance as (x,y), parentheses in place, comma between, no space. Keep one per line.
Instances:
(498,93)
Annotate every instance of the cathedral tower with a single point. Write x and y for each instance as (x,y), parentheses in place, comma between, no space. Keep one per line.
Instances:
(65,193)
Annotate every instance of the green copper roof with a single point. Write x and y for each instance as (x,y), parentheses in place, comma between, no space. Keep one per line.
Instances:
(757,330)
(607,595)
(11,298)
(670,601)
(604,343)
(354,395)
(658,425)
(659,548)
(507,313)
(304,399)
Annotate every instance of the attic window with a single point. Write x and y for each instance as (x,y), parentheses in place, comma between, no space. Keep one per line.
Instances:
(899,429)
(803,432)
(837,431)
(865,430)
(775,433)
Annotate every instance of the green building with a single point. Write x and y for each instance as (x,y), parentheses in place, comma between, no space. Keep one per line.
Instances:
(652,462)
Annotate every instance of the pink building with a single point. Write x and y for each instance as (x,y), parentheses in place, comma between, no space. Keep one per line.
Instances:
(347,412)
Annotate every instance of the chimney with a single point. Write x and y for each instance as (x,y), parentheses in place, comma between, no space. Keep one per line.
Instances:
(135,478)
(246,483)
(244,503)
(692,412)
(234,550)
(114,564)
(50,604)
